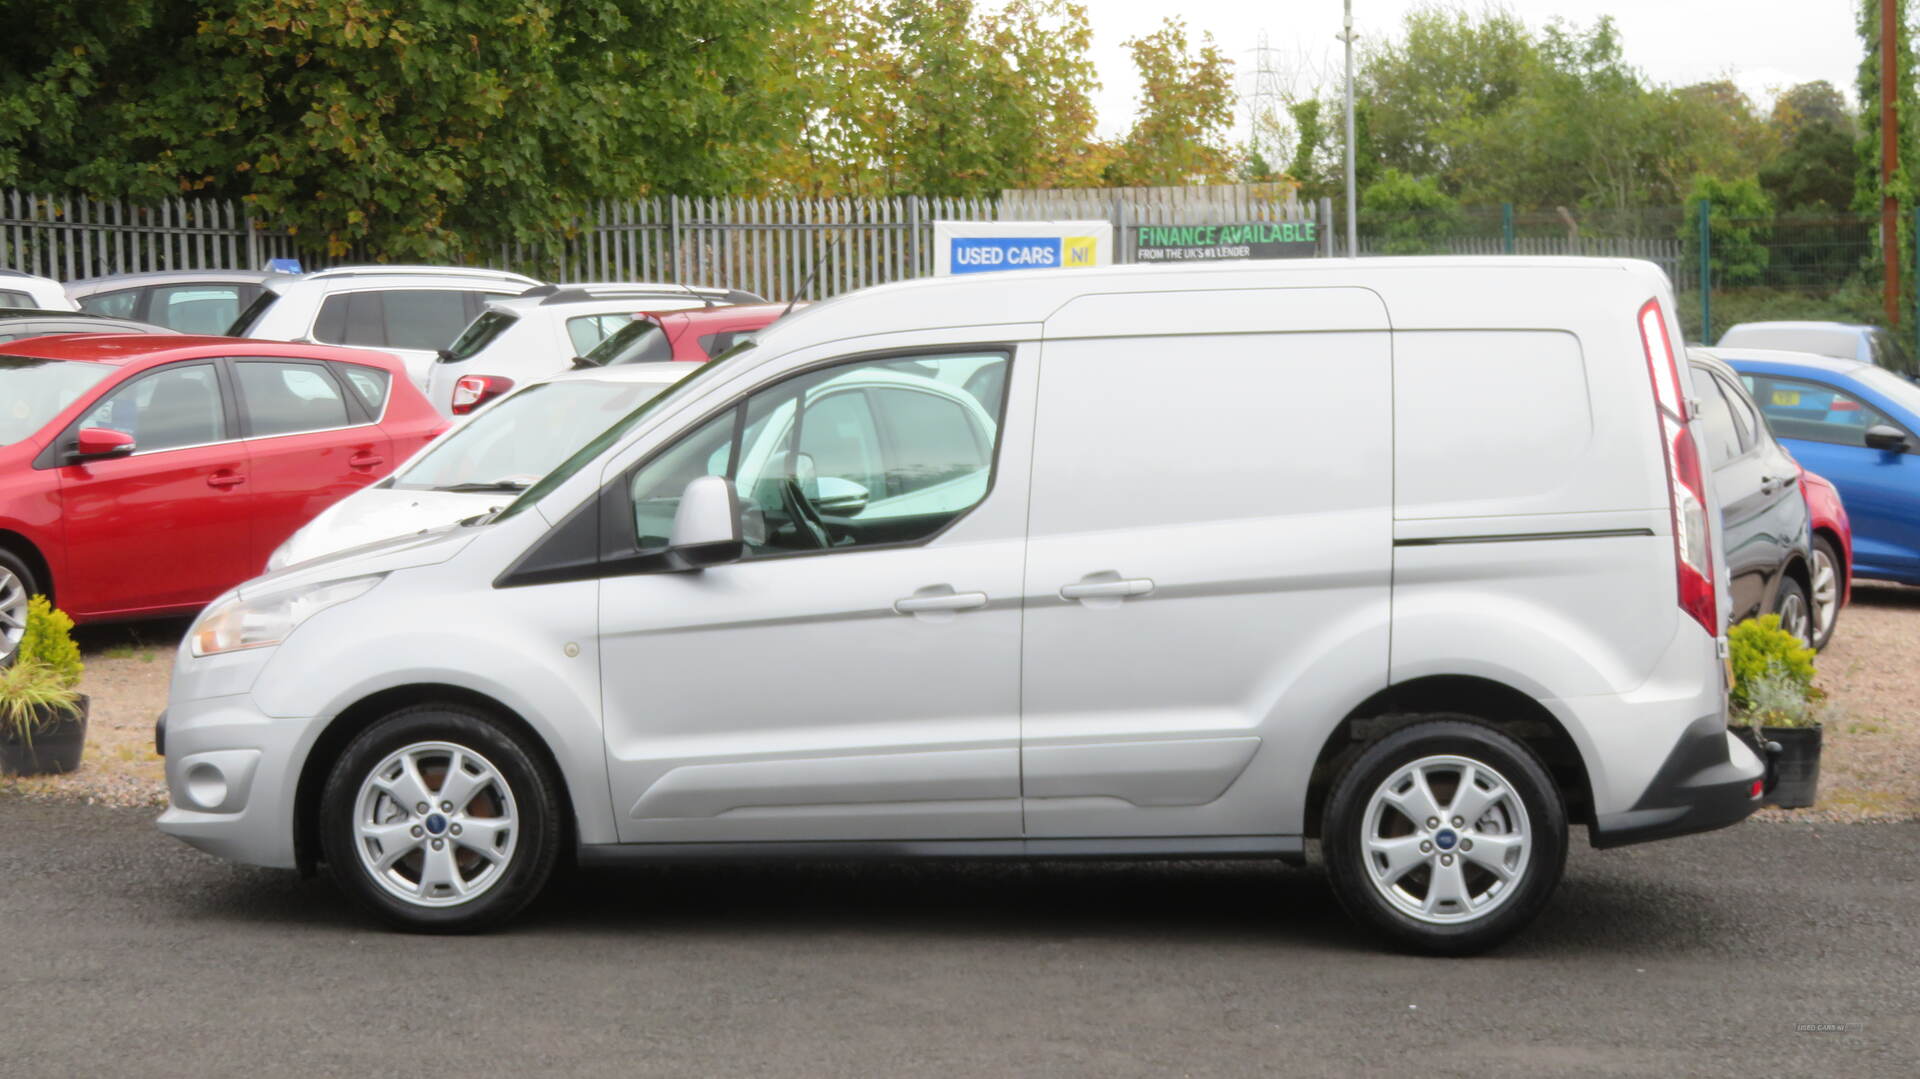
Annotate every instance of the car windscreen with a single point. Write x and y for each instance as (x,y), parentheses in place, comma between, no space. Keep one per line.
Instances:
(606,439)
(1892,386)
(33,391)
(1840,344)
(479,333)
(511,445)
(249,317)
(642,341)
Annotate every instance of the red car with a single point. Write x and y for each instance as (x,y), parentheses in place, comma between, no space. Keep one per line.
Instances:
(1832,555)
(144,475)
(695,336)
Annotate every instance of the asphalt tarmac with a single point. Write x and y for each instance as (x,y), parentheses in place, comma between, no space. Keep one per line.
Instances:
(1762,950)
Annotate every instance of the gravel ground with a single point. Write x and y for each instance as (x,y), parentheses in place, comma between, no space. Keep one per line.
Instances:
(1869,768)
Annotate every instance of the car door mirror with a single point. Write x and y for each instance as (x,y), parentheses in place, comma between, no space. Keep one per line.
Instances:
(98,442)
(706,527)
(839,497)
(1886,437)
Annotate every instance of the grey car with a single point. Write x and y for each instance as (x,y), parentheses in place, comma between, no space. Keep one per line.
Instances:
(1766,526)
(18,323)
(190,301)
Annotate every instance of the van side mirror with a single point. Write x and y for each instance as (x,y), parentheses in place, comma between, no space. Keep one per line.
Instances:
(97,442)
(1886,437)
(706,527)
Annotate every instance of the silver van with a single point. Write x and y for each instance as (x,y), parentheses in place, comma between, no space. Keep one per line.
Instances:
(1412,558)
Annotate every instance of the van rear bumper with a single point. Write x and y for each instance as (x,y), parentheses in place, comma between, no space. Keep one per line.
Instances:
(1707,782)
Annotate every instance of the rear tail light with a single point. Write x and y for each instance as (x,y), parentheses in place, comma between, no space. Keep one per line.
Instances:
(472,391)
(1686,484)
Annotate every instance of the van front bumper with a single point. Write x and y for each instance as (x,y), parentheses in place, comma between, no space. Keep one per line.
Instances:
(231,776)
(1710,780)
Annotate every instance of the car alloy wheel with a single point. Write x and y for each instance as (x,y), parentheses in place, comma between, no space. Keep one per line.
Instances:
(13,612)
(1446,839)
(435,824)
(1792,609)
(1826,594)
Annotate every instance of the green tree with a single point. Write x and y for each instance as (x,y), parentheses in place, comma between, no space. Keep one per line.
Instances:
(1408,215)
(424,129)
(1739,226)
(1812,170)
(1180,131)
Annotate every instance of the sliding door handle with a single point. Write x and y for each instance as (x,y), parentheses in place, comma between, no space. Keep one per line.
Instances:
(942,601)
(1107,589)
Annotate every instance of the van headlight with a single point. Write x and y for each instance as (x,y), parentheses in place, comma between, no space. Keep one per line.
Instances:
(241,622)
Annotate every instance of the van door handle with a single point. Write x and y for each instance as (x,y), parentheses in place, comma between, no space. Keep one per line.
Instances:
(926,600)
(1114,589)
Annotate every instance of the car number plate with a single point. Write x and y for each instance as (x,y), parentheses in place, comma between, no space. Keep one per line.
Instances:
(1786,398)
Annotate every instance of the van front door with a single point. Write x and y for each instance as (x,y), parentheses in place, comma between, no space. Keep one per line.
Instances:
(1208,567)
(856,675)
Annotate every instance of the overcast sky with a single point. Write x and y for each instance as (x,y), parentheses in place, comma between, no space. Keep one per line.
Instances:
(1763,45)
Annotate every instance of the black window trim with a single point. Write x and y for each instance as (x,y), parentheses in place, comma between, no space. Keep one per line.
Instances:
(557,556)
(59,450)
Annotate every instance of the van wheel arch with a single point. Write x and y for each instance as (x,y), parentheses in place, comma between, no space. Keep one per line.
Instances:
(1481,700)
(364,713)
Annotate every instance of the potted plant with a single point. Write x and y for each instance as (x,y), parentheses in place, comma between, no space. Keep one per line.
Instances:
(43,716)
(1776,708)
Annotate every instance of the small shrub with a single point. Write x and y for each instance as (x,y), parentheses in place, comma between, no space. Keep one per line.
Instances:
(28,691)
(1761,649)
(49,641)
(1777,699)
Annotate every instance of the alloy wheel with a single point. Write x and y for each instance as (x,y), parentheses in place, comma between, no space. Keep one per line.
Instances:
(1826,594)
(1794,617)
(435,824)
(13,612)
(1446,839)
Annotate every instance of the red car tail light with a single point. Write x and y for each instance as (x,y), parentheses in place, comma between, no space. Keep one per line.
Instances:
(1686,484)
(472,391)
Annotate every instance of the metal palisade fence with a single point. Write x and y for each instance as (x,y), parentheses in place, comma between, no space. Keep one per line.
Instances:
(772,246)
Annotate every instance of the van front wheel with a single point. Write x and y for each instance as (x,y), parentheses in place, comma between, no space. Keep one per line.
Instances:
(1446,835)
(439,820)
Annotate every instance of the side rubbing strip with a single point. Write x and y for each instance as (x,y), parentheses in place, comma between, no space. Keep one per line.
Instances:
(1525,537)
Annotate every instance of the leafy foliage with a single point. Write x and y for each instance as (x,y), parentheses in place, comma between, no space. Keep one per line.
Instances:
(1738,223)
(1180,134)
(1411,216)
(1761,649)
(48,640)
(429,129)
(32,695)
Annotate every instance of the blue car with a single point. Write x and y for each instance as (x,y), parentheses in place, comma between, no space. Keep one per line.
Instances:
(1854,423)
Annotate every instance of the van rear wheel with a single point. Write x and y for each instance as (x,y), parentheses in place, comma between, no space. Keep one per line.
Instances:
(440,820)
(1446,836)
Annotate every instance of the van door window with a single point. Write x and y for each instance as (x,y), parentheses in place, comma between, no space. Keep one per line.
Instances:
(856,455)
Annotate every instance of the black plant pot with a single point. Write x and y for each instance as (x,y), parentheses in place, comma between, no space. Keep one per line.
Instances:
(57,742)
(1796,767)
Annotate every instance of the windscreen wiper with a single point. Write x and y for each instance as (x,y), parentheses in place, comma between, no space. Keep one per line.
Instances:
(496,485)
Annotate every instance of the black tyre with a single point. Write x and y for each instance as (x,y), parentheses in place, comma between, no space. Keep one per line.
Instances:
(440,820)
(1796,617)
(16,587)
(1402,866)
(1828,580)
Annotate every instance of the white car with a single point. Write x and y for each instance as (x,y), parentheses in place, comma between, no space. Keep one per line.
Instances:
(28,291)
(1413,557)
(410,311)
(540,332)
(483,463)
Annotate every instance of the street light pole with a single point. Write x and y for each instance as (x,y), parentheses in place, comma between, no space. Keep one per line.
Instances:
(1353,234)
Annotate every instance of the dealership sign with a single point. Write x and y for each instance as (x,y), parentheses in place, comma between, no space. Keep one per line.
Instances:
(984,246)
(1216,243)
